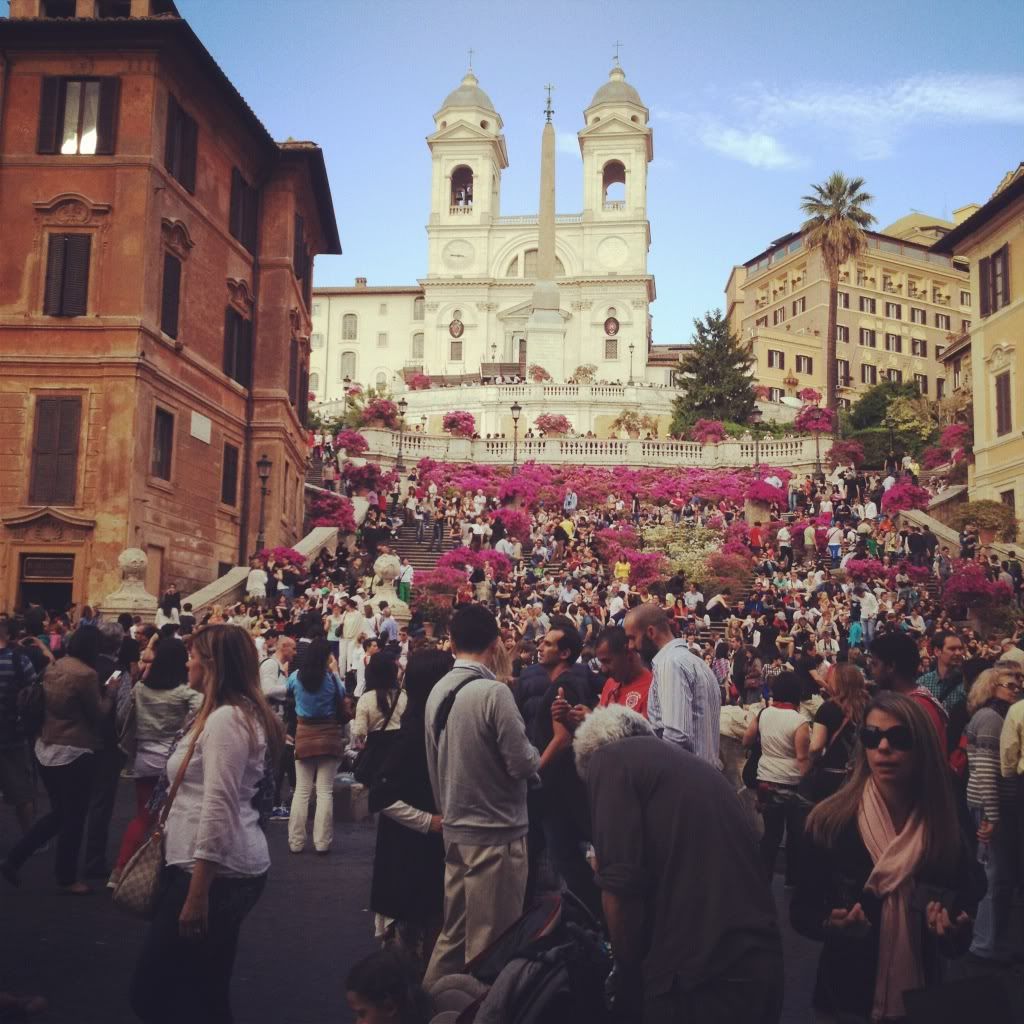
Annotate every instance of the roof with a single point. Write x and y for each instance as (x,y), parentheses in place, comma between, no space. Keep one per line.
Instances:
(469,94)
(377,289)
(960,343)
(314,158)
(169,31)
(999,202)
(616,90)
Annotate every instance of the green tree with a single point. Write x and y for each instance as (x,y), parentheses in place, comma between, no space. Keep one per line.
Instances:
(835,224)
(714,375)
(870,409)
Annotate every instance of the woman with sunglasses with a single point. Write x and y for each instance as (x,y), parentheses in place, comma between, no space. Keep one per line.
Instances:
(887,883)
(990,802)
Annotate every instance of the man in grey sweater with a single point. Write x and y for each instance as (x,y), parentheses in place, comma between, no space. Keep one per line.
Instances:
(479,759)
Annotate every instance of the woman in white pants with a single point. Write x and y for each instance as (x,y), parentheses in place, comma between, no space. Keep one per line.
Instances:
(318,695)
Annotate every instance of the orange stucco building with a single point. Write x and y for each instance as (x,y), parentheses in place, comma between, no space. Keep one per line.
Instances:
(155,278)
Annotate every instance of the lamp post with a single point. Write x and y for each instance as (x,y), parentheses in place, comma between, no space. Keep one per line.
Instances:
(263,466)
(631,347)
(402,406)
(517,411)
(755,420)
(494,351)
(423,424)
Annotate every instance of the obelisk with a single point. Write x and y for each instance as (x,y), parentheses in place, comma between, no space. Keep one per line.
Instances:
(545,330)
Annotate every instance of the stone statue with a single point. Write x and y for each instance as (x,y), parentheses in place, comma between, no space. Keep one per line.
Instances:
(132,596)
(386,569)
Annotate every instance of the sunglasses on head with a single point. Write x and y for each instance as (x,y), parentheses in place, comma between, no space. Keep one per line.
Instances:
(899,737)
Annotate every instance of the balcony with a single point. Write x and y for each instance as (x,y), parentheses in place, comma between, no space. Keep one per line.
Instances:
(940,299)
(460,211)
(892,289)
(614,205)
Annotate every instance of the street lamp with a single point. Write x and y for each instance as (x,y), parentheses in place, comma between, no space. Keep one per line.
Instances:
(517,411)
(631,347)
(402,406)
(263,466)
(494,351)
(755,421)
(423,424)
(819,473)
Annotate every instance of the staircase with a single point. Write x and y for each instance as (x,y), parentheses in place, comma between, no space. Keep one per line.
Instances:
(420,557)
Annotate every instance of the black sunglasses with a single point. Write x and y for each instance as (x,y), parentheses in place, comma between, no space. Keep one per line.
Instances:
(899,737)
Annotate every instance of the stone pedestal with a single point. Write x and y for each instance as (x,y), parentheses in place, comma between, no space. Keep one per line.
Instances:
(131,597)
(545,341)
(386,569)
(755,512)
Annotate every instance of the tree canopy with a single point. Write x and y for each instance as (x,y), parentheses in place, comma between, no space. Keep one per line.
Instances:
(714,375)
(870,409)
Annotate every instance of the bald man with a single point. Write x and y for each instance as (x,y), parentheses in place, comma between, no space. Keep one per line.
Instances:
(685,700)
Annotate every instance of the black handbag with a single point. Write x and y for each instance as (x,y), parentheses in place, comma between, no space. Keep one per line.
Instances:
(375,750)
(820,782)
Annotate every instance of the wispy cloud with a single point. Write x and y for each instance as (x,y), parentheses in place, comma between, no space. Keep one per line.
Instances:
(755,148)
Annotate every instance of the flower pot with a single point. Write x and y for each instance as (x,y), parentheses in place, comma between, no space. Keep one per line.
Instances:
(378,424)
(634,434)
(986,535)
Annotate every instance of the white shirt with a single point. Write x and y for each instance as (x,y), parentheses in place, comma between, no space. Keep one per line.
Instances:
(212,817)
(870,510)
(256,583)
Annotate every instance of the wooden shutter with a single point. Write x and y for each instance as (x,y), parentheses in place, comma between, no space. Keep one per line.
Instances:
(189,144)
(229,476)
(237,200)
(1003,298)
(303,395)
(55,451)
(171,135)
(299,251)
(50,110)
(55,253)
(244,353)
(106,126)
(231,319)
(76,275)
(1004,422)
(985,284)
(170,295)
(293,372)
(250,218)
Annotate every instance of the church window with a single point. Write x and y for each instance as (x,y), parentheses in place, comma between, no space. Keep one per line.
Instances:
(611,348)
(513,268)
(417,345)
(349,326)
(530,264)
(612,311)
(456,350)
(418,305)
(382,380)
(462,187)
(485,124)
(316,341)
(456,314)
(314,382)
(382,340)
(613,183)
(348,365)
(383,309)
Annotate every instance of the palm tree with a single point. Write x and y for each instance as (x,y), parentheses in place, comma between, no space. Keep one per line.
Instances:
(835,223)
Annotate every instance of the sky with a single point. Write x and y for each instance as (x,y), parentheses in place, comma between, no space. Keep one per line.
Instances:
(750,104)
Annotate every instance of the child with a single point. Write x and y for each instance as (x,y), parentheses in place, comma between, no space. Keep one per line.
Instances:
(383,989)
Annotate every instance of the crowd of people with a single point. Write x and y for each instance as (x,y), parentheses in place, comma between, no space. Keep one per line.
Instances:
(561,732)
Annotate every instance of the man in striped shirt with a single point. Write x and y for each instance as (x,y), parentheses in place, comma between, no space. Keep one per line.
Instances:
(685,699)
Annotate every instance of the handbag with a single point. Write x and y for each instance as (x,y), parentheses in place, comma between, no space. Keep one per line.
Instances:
(139,885)
(378,743)
(818,782)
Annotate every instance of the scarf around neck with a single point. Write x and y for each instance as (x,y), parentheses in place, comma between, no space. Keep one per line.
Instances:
(896,856)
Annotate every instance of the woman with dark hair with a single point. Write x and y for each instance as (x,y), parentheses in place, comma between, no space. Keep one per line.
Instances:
(318,694)
(77,709)
(216,851)
(887,882)
(383,702)
(163,701)
(385,987)
(408,864)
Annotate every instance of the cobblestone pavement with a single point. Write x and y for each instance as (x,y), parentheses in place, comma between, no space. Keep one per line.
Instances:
(310,925)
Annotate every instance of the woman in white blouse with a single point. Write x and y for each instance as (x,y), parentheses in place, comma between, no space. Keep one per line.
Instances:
(216,852)
(382,702)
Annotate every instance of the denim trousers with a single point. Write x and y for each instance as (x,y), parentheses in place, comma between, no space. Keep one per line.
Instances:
(179,979)
(992,924)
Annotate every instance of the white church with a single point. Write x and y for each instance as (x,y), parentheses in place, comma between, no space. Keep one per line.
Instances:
(505,293)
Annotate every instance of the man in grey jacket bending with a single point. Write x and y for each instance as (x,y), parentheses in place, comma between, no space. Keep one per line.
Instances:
(479,759)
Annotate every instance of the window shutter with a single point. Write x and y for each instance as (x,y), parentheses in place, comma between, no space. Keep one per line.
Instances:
(55,451)
(171,295)
(106,127)
(235,216)
(303,395)
(189,145)
(245,353)
(293,372)
(1004,258)
(1003,419)
(76,275)
(985,284)
(229,476)
(173,117)
(54,275)
(67,451)
(49,115)
(230,340)
(249,217)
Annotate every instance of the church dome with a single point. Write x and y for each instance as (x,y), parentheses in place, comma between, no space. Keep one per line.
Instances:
(616,90)
(469,94)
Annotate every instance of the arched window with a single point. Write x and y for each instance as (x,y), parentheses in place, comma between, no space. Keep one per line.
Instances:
(314,382)
(348,365)
(316,341)
(349,327)
(513,268)
(382,380)
(530,264)
(612,311)
(417,345)
(462,186)
(418,306)
(613,185)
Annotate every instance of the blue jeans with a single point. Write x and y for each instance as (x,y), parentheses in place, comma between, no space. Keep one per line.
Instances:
(992,925)
(833,550)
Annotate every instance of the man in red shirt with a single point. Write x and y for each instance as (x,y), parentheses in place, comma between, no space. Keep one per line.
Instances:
(628,680)
(894,660)
(756,538)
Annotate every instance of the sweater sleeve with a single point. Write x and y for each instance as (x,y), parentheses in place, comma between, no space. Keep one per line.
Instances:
(983,763)
(518,754)
(408,816)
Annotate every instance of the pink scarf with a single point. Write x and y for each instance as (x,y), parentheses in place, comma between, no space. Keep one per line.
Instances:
(896,856)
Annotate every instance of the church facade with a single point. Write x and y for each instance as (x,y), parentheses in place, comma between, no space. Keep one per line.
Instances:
(467,318)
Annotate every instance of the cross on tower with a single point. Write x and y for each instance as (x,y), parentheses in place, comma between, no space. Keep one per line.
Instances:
(470,60)
(617,47)
(548,109)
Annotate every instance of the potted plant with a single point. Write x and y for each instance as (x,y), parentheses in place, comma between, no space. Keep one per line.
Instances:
(809,395)
(419,382)
(708,431)
(903,497)
(845,453)
(630,421)
(289,556)
(352,441)
(538,374)
(552,424)
(585,374)
(992,518)
(434,593)
(335,510)
(459,423)
(381,412)
(813,419)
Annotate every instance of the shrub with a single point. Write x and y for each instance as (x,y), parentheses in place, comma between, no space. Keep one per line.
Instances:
(645,566)
(585,374)
(956,435)
(517,522)
(932,458)
(761,490)
(860,570)
(327,509)
(352,441)
(708,431)
(459,423)
(970,590)
(271,556)
(809,395)
(368,477)
(538,374)
(552,423)
(845,453)
(419,382)
(382,409)
(904,496)
(987,515)
(813,419)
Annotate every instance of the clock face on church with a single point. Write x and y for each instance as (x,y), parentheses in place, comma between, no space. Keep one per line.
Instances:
(457,254)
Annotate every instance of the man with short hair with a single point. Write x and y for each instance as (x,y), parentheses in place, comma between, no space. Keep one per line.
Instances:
(627,679)
(387,627)
(685,700)
(946,682)
(478,760)
(404,581)
(893,661)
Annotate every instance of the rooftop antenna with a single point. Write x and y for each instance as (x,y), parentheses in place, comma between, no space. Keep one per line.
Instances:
(617,47)
(548,110)
(471,60)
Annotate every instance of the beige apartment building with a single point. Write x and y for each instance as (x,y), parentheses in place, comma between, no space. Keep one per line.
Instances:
(900,306)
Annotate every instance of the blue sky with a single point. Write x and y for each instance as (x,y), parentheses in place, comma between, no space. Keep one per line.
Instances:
(749,103)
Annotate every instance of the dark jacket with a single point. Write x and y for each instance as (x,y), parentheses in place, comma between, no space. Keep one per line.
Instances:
(835,878)
(77,708)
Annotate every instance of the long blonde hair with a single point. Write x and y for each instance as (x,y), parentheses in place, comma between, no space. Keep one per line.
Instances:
(984,687)
(233,678)
(929,783)
(846,682)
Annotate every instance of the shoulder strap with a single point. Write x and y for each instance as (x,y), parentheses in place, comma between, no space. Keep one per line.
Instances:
(445,709)
(842,725)
(173,792)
